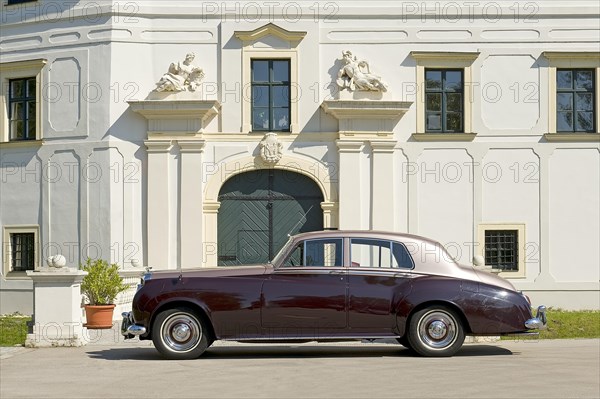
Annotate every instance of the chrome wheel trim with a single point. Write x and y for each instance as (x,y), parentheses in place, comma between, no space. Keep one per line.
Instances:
(437,329)
(181,332)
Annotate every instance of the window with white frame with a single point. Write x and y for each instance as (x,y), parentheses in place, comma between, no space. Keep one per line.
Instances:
(22,108)
(20,94)
(444,95)
(257,48)
(573,95)
(20,249)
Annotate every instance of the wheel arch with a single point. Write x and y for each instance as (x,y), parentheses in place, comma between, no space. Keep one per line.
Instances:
(427,304)
(179,303)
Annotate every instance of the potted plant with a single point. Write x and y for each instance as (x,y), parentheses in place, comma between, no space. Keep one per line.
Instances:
(100,287)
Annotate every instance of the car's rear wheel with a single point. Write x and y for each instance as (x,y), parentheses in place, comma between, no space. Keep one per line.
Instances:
(435,331)
(180,334)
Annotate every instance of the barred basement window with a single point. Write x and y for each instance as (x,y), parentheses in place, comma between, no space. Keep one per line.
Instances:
(502,249)
(22,247)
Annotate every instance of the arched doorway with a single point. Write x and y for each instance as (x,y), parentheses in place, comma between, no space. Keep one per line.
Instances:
(259,209)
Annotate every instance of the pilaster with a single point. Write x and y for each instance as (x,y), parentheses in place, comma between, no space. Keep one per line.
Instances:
(350,184)
(158,203)
(209,245)
(383,182)
(190,234)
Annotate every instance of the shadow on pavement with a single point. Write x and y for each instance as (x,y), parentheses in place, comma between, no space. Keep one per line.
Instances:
(483,350)
(148,353)
(255,351)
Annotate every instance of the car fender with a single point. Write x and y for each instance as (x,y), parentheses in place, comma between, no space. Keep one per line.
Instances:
(429,290)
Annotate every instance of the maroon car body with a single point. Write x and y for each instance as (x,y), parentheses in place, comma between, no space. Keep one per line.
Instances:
(331,285)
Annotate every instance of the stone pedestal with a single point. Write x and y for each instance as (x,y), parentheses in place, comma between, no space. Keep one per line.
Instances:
(56,307)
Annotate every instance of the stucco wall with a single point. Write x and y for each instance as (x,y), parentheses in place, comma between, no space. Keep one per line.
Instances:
(85,184)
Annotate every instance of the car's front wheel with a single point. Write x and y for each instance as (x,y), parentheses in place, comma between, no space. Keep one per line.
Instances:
(179,334)
(403,340)
(435,331)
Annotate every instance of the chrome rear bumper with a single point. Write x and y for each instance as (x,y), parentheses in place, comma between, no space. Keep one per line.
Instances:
(128,328)
(539,321)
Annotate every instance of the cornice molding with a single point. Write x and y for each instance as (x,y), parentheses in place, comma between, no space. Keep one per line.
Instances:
(272,30)
(572,55)
(445,55)
(17,65)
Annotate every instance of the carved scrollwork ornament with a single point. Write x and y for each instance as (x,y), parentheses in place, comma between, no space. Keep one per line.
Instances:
(271,149)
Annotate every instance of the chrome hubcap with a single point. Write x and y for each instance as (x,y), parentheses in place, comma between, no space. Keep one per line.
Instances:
(437,329)
(181,332)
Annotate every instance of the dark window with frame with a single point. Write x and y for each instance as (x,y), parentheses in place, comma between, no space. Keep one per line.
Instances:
(575,108)
(271,95)
(11,2)
(22,247)
(22,108)
(502,249)
(444,107)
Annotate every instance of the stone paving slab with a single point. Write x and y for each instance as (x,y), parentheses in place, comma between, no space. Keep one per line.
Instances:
(134,369)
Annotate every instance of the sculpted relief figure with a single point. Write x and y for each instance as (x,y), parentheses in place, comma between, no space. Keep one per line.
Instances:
(181,76)
(356,75)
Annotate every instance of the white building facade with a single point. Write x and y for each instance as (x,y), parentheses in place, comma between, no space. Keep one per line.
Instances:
(473,123)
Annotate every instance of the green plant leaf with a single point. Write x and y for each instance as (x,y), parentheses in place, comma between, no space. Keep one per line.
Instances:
(102,284)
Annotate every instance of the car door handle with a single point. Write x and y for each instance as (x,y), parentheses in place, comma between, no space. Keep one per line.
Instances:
(340,273)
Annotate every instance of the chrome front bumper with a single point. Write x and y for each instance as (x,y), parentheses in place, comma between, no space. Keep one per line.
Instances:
(128,328)
(539,321)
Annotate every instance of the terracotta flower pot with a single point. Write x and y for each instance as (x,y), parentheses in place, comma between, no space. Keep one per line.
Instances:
(99,316)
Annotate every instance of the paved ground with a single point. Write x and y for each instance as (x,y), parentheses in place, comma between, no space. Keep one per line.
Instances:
(108,369)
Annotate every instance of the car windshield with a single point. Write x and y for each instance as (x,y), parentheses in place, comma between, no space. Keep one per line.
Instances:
(279,257)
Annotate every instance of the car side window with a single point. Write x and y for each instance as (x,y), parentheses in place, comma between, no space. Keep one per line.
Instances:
(325,252)
(401,258)
(379,253)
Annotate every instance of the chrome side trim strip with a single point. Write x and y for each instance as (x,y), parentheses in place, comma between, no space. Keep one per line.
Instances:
(310,338)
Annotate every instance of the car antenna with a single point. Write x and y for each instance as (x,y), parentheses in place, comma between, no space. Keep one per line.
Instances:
(303,218)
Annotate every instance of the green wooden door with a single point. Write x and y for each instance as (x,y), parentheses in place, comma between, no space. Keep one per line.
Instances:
(259,209)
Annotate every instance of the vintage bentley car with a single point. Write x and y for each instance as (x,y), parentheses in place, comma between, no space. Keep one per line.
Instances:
(328,286)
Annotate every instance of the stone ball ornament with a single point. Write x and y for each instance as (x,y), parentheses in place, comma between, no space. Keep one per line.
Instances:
(56,261)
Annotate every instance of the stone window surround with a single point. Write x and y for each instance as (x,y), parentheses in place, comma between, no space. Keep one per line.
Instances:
(6,262)
(571,60)
(249,52)
(444,60)
(520,228)
(16,70)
